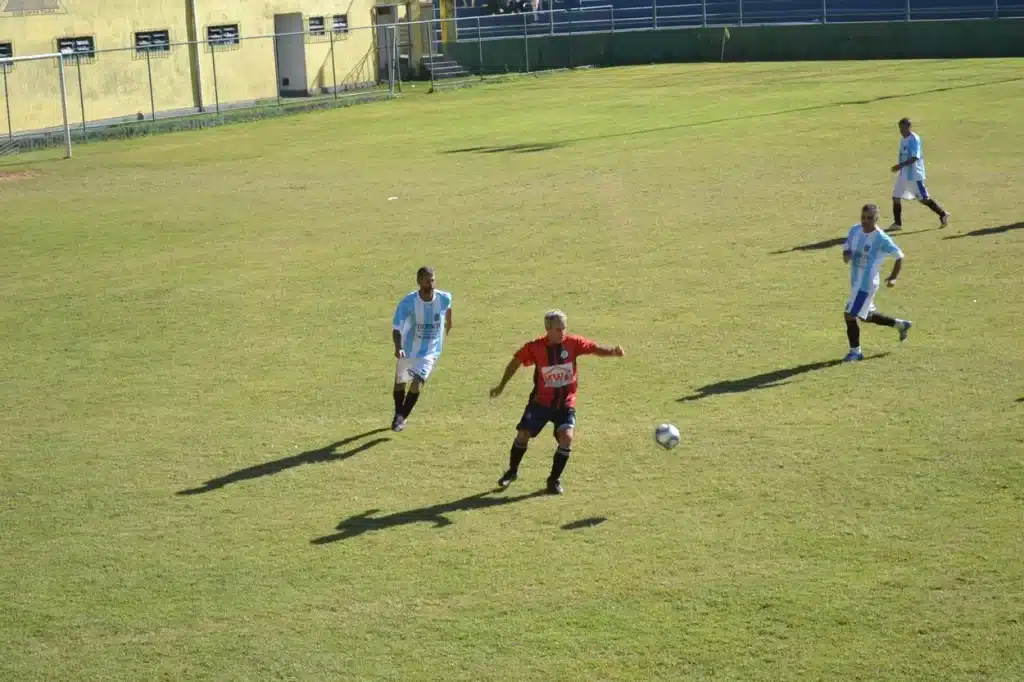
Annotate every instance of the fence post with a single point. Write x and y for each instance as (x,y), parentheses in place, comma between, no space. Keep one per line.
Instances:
(612,12)
(741,11)
(277,69)
(995,9)
(824,11)
(654,12)
(704,13)
(64,106)
(7,103)
(152,99)
(396,54)
(430,52)
(908,11)
(334,66)
(81,92)
(216,90)
(526,43)
(570,37)
(479,48)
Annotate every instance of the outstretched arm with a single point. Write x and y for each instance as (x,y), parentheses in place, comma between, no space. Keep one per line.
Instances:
(513,365)
(448,322)
(609,351)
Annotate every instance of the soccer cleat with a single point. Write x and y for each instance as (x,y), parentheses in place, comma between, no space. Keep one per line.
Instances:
(895,227)
(555,487)
(854,356)
(398,423)
(905,330)
(507,478)
(944,219)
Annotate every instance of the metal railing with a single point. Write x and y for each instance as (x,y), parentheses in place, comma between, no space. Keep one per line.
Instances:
(602,16)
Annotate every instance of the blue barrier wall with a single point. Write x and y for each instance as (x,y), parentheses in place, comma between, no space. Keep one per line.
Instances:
(585,16)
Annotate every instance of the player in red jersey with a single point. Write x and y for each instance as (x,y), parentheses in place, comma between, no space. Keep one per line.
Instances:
(553,398)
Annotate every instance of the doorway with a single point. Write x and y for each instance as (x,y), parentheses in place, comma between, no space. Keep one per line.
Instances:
(290,55)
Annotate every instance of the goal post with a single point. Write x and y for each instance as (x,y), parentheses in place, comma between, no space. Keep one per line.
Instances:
(29,80)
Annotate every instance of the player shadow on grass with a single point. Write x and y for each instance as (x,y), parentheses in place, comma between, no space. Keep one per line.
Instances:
(542,146)
(435,514)
(585,523)
(524,148)
(839,241)
(985,232)
(767,380)
(325,454)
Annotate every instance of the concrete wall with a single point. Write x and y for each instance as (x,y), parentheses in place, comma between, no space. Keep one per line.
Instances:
(901,40)
(116,83)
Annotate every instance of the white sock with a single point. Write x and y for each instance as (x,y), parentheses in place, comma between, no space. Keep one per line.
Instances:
(901,324)
(856,350)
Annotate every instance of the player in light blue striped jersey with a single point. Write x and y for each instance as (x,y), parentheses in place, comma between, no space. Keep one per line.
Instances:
(865,248)
(422,319)
(910,178)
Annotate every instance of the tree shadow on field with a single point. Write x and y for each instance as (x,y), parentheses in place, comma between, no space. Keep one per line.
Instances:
(541,146)
(778,377)
(329,453)
(435,514)
(985,232)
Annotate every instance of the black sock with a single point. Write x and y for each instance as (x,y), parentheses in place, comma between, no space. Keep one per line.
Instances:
(853,333)
(883,320)
(897,212)
(934,205)
(399,399)
(410,402)
(516,456)
(560,460)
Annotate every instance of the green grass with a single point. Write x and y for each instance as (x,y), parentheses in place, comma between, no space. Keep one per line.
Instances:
(180,308)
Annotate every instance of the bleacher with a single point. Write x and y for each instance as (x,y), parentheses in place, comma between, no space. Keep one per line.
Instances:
(598,16)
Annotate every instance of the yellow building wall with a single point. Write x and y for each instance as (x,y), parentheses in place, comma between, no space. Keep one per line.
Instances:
(354,59)
(116,83)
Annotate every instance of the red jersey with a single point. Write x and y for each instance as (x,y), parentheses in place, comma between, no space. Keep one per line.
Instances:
(554,376)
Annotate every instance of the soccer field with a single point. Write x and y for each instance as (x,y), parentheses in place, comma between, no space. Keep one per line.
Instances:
(197,478)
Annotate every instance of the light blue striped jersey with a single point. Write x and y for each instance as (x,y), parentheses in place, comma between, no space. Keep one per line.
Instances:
(910,147)
(422,323)
(867,251)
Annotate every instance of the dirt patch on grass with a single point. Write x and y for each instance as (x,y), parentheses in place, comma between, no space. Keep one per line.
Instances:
(15,176)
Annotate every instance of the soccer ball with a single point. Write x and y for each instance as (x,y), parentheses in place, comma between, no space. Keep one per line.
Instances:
(667,436)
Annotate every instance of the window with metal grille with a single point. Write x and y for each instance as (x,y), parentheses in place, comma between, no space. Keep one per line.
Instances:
(223,36)
(152,41)
(6,52)
(80,49)
(340,23)
(317,26)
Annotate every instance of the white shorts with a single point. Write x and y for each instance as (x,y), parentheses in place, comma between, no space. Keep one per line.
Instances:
(409,368)
(861,303)
(909,189)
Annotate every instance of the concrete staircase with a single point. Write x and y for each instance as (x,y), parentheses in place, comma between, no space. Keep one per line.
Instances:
(443,67)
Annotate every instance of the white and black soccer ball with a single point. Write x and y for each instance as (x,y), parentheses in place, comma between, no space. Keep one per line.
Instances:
(667,436)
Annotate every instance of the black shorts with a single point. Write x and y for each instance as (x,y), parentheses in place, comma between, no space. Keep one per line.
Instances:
(536,417)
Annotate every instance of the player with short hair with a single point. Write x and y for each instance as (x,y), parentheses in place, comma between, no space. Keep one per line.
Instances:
(553,398)
(865,248)
(418,338)
(910,178)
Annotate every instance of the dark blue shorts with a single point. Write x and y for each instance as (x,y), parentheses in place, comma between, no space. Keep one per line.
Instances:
(536,417)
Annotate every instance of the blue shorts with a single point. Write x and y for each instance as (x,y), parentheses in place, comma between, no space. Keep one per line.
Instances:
(536,417)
